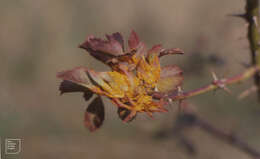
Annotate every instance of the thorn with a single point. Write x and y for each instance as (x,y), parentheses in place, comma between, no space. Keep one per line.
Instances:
(255,20)
(220,83)
(247,92)
(227,90)
(180,91)
(243,16)
(214,76)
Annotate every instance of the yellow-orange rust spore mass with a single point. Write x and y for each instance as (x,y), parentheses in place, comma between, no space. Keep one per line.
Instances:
(132,90)
(134,79)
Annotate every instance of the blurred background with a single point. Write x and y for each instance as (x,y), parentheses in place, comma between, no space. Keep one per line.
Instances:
(40,38)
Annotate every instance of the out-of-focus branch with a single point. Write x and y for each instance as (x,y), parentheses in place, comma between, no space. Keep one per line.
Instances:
(252,17)
(188,119)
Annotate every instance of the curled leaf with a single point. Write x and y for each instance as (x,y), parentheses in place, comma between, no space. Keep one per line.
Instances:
(141,50)
(170,78)
(95,114)
(69,87)
(87,95)
(133,40)
(155,50)
(118,37)
(104,50)
(172,51)
(77,75)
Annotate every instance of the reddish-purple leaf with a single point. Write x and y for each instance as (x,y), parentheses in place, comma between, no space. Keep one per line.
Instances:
(118,37)
(141,50)
(68,86)
(87,95)
(80,76)
(133,40)
(113,46)
(95,114)
(155,49)
(105,58)
(170,78)
(77,75)
(170,51)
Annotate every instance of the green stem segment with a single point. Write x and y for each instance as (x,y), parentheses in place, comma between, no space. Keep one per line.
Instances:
(252,17)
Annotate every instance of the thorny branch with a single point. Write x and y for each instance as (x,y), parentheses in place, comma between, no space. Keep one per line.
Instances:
(188,118)
(252,17)
(217,83)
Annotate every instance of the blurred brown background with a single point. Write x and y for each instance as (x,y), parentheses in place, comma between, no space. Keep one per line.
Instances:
(40,38)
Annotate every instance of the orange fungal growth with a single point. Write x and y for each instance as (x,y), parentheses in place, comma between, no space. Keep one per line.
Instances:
(136,74)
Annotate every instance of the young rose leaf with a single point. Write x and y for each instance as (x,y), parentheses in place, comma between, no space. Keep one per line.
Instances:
(141,50)
(78,75)
(87,95)
(123,113)
(152,55)
(170,78)
(105,58)
(98,79)
(172,51)
(95,114)
(68,87)
(113,46)
(118,37)
(155,50)
(133,40)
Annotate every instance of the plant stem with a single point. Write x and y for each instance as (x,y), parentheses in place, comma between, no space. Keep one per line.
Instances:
(252,17)
(216,84)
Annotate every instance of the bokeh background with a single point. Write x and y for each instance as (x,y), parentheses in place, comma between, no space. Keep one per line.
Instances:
(40,38)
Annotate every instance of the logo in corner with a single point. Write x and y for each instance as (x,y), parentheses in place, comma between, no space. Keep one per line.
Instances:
(12,146)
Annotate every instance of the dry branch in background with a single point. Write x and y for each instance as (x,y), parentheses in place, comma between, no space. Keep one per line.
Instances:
(190,119)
